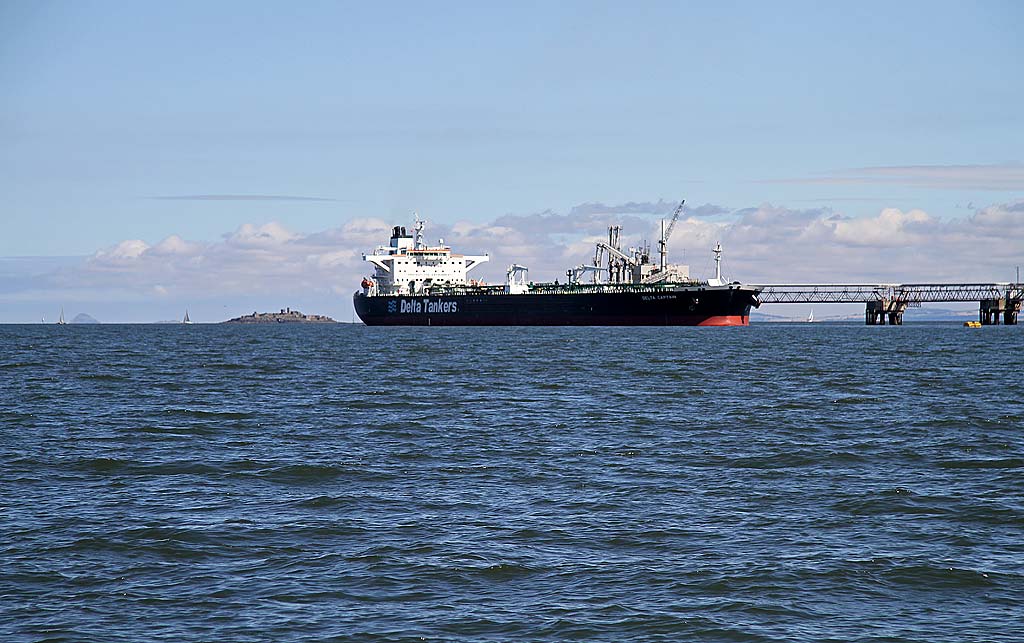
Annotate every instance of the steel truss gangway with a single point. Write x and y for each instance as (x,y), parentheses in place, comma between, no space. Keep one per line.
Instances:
(996,300)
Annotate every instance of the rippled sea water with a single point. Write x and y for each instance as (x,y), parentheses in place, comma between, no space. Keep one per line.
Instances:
(285,483)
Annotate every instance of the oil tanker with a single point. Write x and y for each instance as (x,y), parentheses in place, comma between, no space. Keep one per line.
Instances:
(414,284)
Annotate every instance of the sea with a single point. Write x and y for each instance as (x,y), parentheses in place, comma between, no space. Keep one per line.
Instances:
(779,482)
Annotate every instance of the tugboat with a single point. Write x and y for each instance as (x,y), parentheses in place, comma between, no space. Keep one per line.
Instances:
(414,284)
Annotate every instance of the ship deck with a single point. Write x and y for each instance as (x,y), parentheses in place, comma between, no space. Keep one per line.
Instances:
(575,289)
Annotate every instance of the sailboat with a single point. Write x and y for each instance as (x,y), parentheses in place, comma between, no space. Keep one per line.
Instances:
(61,322)
(186,320)
(810,317)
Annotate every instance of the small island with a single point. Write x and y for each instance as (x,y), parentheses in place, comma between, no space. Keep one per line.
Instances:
(286,316)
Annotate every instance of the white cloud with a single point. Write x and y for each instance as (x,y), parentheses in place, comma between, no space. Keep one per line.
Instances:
(338,258)
(777,244)
(122,253)
(173,245)
(891,227)
(999,217)
(264,236)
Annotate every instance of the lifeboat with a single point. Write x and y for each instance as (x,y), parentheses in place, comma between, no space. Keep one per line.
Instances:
(367,283)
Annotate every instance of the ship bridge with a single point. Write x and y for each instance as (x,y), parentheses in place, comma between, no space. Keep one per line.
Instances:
(407,266)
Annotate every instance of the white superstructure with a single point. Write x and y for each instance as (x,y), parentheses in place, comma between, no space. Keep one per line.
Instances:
(407,266)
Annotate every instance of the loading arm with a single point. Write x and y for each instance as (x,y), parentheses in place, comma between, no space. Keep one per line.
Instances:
(618,253)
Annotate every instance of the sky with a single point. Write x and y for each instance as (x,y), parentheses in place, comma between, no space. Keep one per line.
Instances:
(236,156)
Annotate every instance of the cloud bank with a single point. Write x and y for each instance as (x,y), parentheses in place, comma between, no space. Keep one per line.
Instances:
(269,263)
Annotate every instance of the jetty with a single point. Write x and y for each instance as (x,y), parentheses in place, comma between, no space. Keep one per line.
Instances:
(997,302)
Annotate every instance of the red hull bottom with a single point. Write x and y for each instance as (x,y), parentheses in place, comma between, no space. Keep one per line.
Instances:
(726,320)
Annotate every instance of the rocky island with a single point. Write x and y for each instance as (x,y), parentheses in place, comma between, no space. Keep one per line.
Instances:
(286,316)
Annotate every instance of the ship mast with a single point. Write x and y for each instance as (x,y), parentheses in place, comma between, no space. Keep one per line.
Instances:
(718,264)
(417,231)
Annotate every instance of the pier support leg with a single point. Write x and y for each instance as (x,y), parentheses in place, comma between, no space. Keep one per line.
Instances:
(990,311)
(1013,307)
(876,312)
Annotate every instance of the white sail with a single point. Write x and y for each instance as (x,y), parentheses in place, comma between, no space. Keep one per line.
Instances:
(61,322)
(186,320)
(810,317)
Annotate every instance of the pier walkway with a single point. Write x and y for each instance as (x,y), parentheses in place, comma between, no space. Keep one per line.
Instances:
(998,302)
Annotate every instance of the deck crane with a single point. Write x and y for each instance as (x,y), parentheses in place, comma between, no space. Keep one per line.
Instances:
(666,233)
(574,274)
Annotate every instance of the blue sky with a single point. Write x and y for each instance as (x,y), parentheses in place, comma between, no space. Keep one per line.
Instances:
(468,112)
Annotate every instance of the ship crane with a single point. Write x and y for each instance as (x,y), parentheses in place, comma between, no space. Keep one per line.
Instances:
(515,280)
(666,233)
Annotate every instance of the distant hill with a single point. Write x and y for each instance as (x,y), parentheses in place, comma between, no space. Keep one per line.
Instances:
(82,318)
(927,313)
(766,317)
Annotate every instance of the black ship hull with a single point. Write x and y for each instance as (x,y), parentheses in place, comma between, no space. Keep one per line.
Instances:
(692,306)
